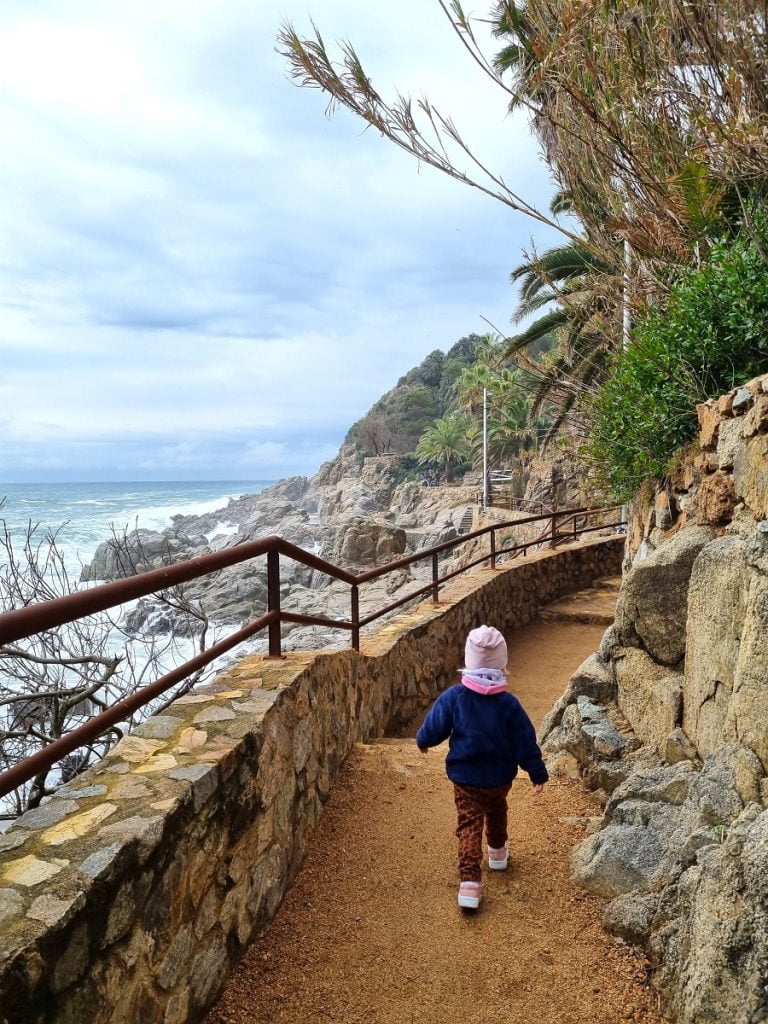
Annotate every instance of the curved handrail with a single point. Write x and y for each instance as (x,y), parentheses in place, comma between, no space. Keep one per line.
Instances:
(46,615)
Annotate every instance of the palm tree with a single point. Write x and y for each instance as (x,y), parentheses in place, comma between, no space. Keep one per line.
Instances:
(445,441)
(573,292)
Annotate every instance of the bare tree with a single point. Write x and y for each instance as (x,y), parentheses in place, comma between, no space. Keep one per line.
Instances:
(375,432)
(51,682)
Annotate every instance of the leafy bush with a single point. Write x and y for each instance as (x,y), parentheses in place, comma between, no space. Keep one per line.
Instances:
(710,335)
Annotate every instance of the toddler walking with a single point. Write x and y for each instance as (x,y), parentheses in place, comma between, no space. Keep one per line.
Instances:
(490,737)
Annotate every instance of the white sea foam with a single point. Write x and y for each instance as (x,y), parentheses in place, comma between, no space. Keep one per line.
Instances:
(158,517)
(222,529)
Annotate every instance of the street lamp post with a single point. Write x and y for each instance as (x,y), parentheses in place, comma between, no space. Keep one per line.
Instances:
(485,449)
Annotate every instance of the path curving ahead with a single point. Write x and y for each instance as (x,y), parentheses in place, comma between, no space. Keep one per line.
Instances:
(370,932)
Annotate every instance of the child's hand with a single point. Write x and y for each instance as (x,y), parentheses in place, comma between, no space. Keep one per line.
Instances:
(423,749)
(538,788)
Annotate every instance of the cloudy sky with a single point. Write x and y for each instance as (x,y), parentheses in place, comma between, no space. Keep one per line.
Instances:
(202,276)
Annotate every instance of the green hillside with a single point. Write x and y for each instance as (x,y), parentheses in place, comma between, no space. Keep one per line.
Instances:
(427,392)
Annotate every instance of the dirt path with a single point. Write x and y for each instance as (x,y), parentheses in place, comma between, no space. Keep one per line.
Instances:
(371,934)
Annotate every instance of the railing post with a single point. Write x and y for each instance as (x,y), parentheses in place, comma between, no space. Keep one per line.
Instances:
(493,549)
(273,603)
(355,617)
(435,584)
(553,531)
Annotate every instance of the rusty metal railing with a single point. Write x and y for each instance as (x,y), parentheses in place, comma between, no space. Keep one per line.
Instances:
(566,525)
(506,501)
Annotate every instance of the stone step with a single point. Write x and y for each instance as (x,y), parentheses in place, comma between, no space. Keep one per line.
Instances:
(589,618)
(595,605)
(610,584)
(465,526)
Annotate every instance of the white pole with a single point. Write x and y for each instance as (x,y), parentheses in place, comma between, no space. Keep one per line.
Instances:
(626,326)
(627,317)
(485,449)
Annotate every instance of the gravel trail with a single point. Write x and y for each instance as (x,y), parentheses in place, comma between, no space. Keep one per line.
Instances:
(370,932)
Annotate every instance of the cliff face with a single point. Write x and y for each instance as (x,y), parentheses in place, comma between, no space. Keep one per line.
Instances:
(669,721)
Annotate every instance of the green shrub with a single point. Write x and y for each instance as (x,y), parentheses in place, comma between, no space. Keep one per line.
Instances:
(710,335)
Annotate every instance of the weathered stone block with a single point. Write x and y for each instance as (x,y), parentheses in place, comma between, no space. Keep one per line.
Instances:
(756,420)
(176,959)
(650,696)
(709,417)
(715,500)
(159,727)
(31,870)
(206,971)
(652,605)
(750,475)
(677,748)
(73,962)
(55,912)
(11,904)
(716,608)
(630,916)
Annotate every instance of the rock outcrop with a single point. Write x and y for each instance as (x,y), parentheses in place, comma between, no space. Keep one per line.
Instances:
(354,512)
(668,722)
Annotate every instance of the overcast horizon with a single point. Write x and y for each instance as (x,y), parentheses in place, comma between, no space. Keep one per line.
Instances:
(203,276)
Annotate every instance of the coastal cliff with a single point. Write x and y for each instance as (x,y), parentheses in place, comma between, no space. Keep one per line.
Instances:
(366,507)
(668,722)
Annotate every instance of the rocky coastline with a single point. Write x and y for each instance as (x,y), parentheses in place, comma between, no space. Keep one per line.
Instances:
(355,512)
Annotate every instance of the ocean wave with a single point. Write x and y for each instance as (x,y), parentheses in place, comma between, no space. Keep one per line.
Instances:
(90,501)
(157,517)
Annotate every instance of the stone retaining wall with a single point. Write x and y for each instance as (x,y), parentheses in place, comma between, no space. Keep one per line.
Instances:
(128,896)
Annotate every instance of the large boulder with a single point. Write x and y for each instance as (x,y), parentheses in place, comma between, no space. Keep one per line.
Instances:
(138,551)
(292,488)
(364,542)
(593,678)
(652,607)
(710,936)
(660,818)
(746,721)
(650,695)
(717,599)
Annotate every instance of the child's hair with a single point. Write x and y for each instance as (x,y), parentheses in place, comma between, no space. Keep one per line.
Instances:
(485,648)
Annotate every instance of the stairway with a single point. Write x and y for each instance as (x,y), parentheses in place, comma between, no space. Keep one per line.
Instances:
(595,604)
(465,526)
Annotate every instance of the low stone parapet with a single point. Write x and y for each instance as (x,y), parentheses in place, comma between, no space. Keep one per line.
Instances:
(128,895)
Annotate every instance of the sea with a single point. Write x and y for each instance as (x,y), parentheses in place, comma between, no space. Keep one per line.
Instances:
(82,515)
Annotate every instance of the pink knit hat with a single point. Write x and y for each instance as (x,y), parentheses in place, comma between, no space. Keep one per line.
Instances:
(485,648)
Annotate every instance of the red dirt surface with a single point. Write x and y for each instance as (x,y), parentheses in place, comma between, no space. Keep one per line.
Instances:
(370,933)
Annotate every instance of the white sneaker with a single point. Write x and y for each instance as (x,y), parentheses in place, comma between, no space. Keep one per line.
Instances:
(469,895)
(498,859)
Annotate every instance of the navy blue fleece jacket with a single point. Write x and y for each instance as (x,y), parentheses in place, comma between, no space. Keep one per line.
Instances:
(490,736)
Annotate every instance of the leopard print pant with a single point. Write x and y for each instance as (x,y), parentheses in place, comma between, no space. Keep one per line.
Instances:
(477,806)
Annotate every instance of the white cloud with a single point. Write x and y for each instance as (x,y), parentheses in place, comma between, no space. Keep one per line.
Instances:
(198,262)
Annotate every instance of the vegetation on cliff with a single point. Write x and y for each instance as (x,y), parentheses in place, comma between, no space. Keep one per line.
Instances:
(425,394)
(433,417)
(651,115)
(710,334)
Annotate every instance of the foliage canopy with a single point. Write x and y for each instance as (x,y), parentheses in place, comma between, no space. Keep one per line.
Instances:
(711,334)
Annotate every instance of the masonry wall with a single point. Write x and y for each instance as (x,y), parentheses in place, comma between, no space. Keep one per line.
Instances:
(129,895)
